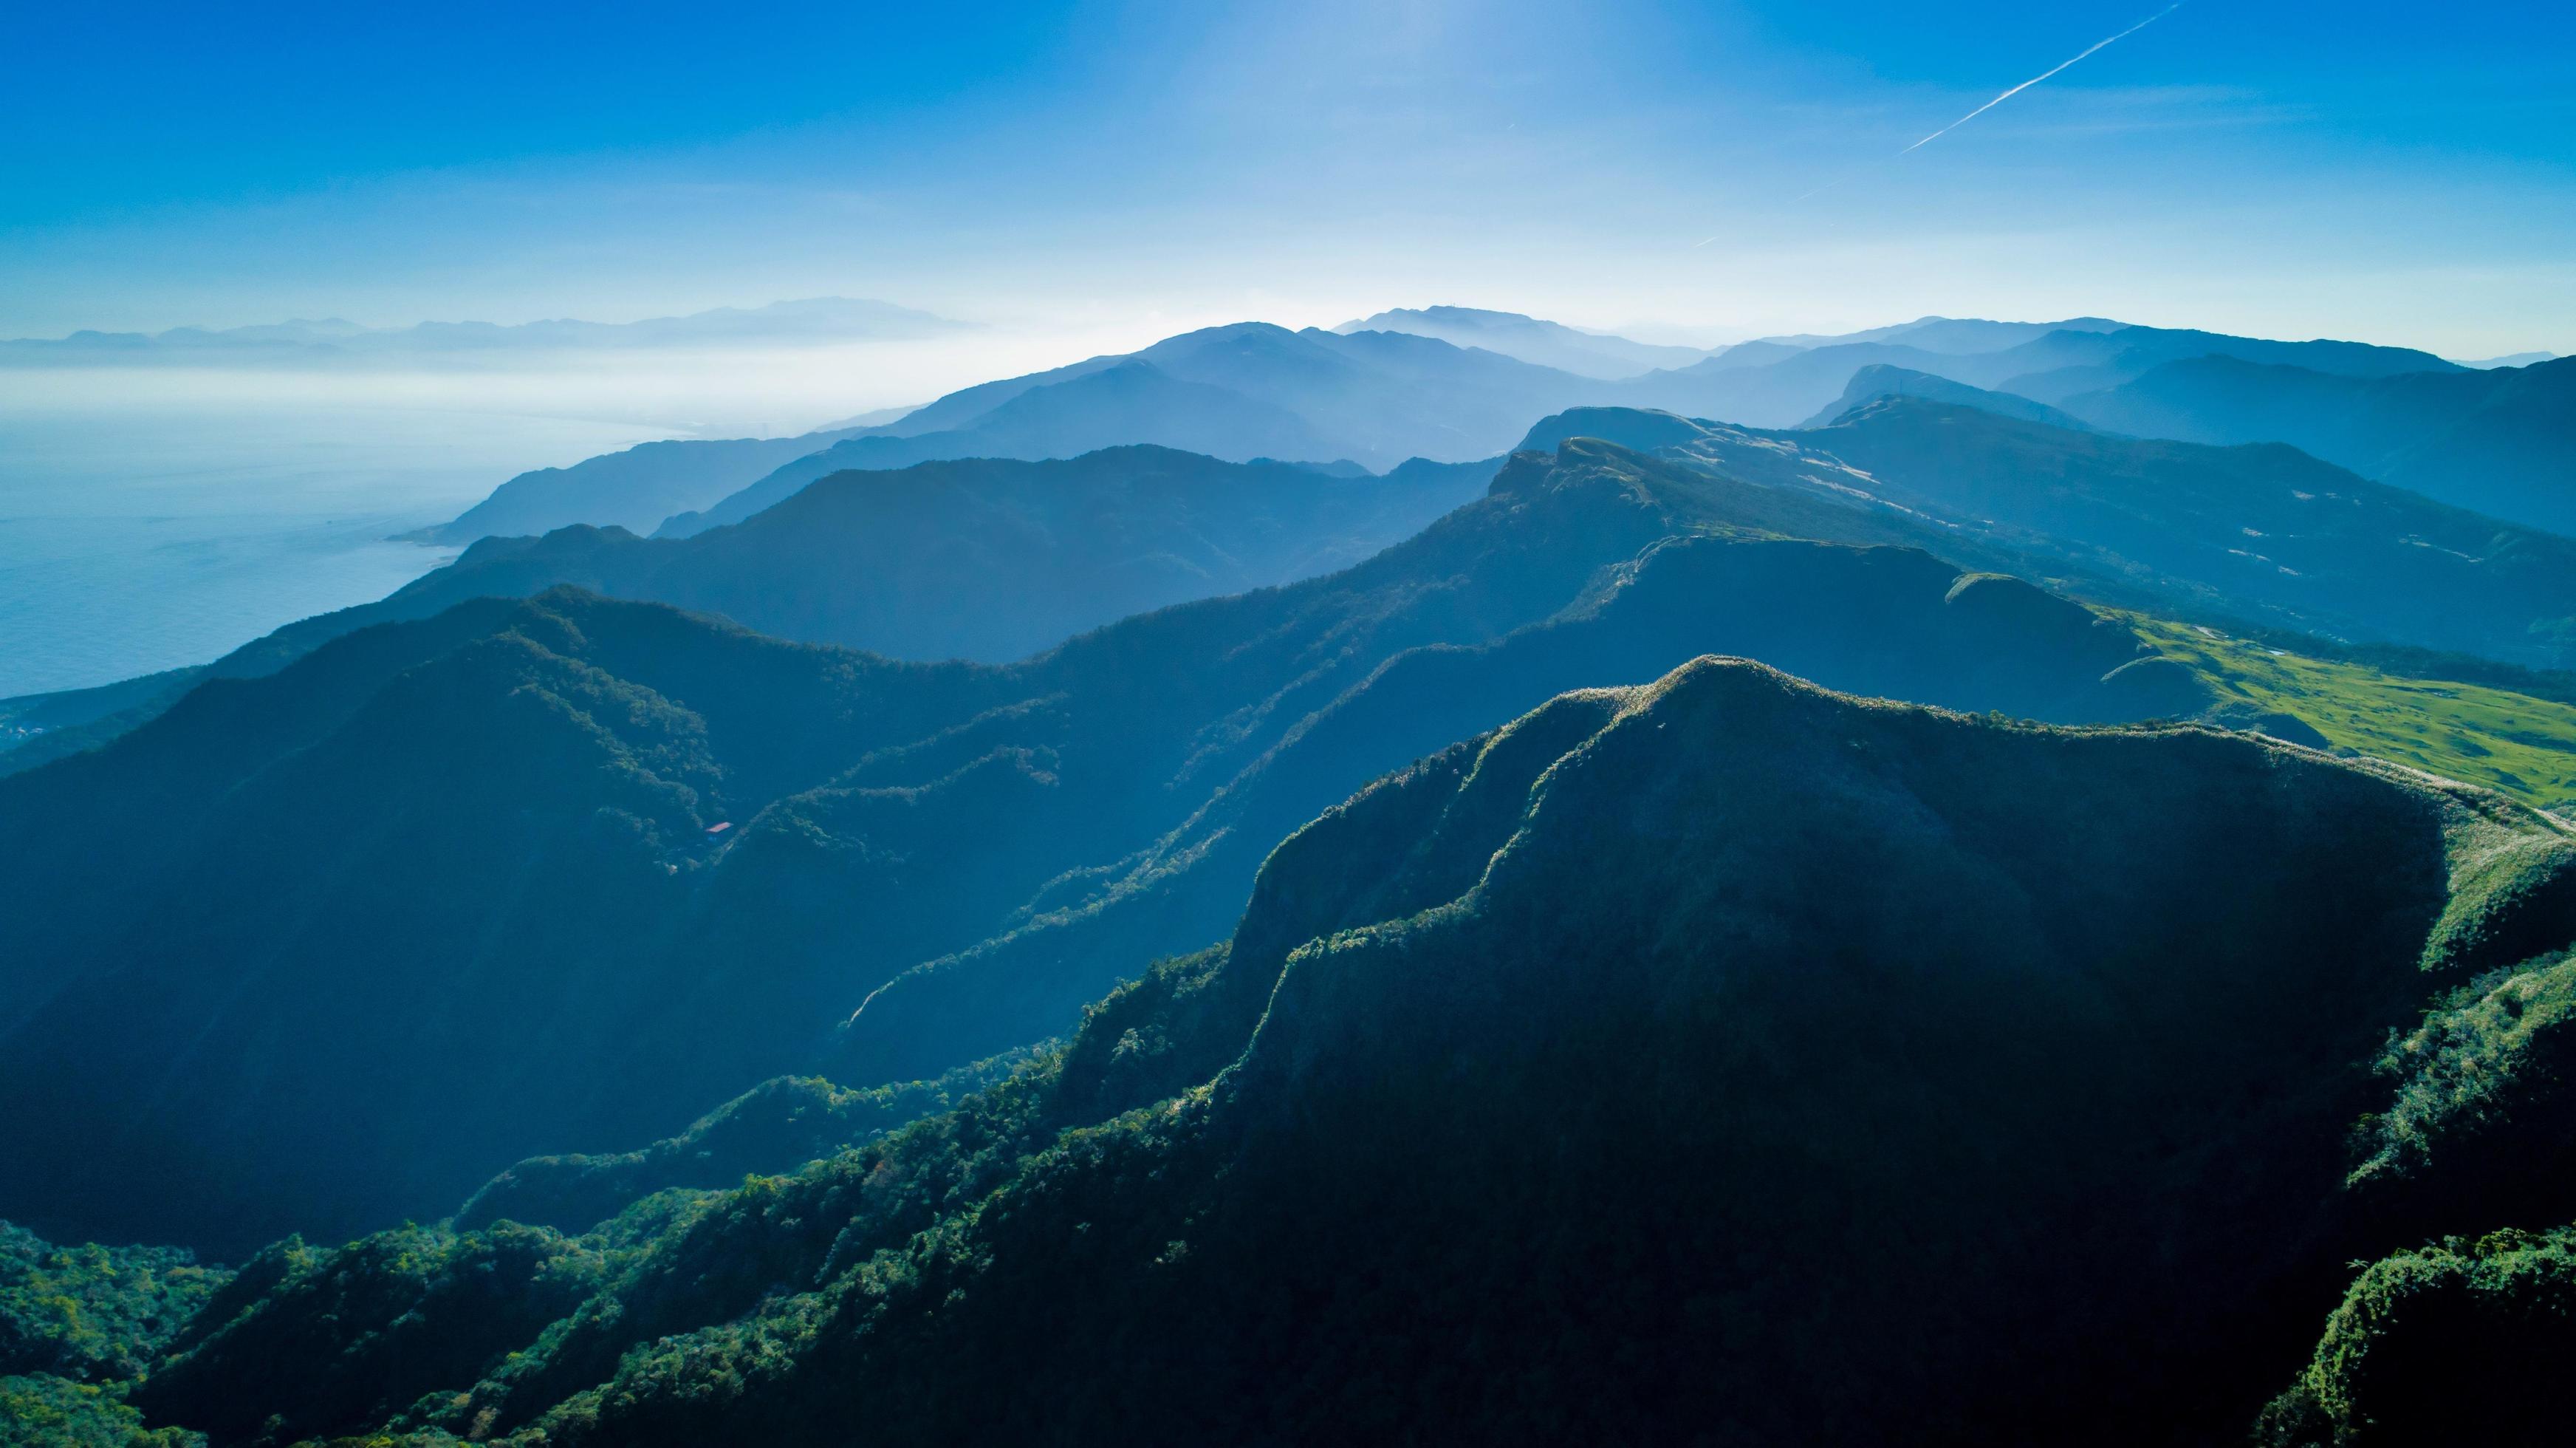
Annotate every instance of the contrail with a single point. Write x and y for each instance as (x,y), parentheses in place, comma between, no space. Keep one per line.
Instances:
(1979,111)
(2043,75)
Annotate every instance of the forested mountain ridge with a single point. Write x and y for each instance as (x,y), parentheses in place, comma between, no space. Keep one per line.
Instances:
(1655,1045)
(345,902)
(1885,621)
(1251,390)
(2315,542)
(988,559)
(2259,532)
(2504,610)
(2501,442)
(2013,1148)
(78,1324)
(634,489)
(2047,369)
(982,558)
(434,856)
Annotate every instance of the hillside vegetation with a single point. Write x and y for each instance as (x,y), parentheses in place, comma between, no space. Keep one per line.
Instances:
(77,1325)
(2260,533)
(447,894)
(1560,1087)
(2517,745)
(978,559)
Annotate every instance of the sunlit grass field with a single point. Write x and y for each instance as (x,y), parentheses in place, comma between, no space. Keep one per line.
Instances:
(2521,746)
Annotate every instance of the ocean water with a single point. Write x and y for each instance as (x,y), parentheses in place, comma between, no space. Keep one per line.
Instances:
(158,516)
(150,529)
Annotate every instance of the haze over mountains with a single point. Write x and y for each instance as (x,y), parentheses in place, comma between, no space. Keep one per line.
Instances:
(1919,793)
(333,340)
(1549,344)
(2261,532)
(1207,895)
(2497,440)
(495,742)
(1253,391)
(1459,384)
(978,558)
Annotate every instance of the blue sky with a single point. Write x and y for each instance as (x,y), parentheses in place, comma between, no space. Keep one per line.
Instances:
(2398,173)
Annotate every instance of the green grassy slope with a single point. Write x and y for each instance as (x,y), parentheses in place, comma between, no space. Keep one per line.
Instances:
(2517,745)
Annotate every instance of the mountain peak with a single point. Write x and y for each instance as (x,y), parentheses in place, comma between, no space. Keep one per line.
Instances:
(1529,339)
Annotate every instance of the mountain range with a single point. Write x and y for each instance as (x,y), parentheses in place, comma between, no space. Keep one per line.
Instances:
(635,489)
(920,865)
(538,781)
(334,340)
(2009,1148)
(1132,402)
(1237,393)
(1881,379)
(978,558)
(995,558)
(2502,441)
(1445,383)
(2241,533)
(1548,344)
(1303,886)
(2048,368)
(2222,534)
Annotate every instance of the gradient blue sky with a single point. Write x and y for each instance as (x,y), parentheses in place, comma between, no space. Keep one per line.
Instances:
(2392,172)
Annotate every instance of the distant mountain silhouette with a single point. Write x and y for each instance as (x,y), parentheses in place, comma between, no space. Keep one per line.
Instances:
(1393,396)
(1945,334)
(1779,393)
(1373,396)
(2508,453)
(2252,532)
(1549,344)
(1240,392)
(976,558)
(635,489)
(2047,368)
(1880,380)
(991,559)
(2501,441)
(1133,401)
(334,340)
(2057,366)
